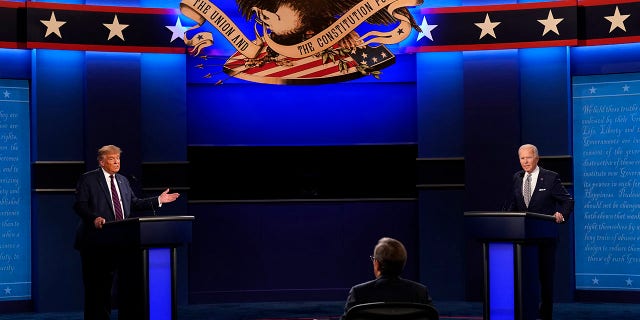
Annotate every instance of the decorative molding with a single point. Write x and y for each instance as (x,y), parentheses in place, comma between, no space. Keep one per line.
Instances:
(527,25)
(35,25)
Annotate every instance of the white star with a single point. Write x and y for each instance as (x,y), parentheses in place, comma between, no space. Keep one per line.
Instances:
(487,27)
(629,282)
(595,280)
(592,90)
(426,29)
(625,88)
(617,20)
(7,94)
(115,28)
(383,55)
(374,59)
(364,55)
(53,25)
(177,31)
(550,24)
(7,290)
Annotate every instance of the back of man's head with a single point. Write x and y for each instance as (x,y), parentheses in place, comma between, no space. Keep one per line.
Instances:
(391,256)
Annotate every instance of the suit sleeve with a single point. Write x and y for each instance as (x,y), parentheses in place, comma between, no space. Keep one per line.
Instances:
(82,205)
(351,301)
(562,197)
(513,201)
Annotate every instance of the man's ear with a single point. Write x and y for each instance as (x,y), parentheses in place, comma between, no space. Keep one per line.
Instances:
(376,268)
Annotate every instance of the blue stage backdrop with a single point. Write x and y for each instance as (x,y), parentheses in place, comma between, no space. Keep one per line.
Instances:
(607,181)
(15,192)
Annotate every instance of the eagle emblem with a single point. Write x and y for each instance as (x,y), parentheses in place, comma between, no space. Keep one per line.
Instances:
(305,41)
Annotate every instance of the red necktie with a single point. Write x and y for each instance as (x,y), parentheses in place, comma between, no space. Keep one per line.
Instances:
(116,201)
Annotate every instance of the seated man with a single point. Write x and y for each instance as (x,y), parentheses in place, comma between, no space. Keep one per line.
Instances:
(389,258)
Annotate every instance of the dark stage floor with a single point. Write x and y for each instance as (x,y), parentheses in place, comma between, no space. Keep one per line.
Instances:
(331,310)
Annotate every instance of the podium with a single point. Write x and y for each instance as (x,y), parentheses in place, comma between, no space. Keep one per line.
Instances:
(503,235)
(146,248)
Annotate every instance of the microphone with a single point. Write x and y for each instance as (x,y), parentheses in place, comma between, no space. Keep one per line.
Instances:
(153,209)
(504,206)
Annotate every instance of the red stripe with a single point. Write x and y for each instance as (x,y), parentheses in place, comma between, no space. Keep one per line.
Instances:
(321,73)
(88,47)
(13,45)
(302,67)
(494,46)
(81,7)
(11,4)
(618,40)
(329,70)
(588,3)
(501,7)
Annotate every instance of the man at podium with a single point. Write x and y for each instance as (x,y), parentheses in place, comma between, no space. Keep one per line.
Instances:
(539,190)
(103,195)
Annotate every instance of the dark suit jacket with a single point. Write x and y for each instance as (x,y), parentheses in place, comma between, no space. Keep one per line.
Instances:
(548,196)
(387,289)
(93,199)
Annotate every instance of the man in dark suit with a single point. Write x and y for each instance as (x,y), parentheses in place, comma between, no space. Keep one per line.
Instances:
(388,259)
(102,196)
(540,191)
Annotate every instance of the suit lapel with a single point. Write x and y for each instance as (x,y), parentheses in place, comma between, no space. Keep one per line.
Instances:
(103,185)
(539,184)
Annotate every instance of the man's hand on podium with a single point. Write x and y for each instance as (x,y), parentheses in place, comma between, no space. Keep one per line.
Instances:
(98,222)
(559,217)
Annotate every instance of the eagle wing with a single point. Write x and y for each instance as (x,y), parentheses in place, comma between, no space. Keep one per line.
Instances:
(323,9)
(245,6)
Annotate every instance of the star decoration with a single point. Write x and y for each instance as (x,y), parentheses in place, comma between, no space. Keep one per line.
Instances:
(487,27)
(629,282)
(53,25)
(625,88)
(177,30)
(7,94)
(426,29)
(596,281)
(115,28)
(592,90)
(550,24)
(7,291)
(617,20)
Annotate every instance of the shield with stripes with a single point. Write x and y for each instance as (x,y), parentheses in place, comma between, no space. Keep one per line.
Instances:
(330,66)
